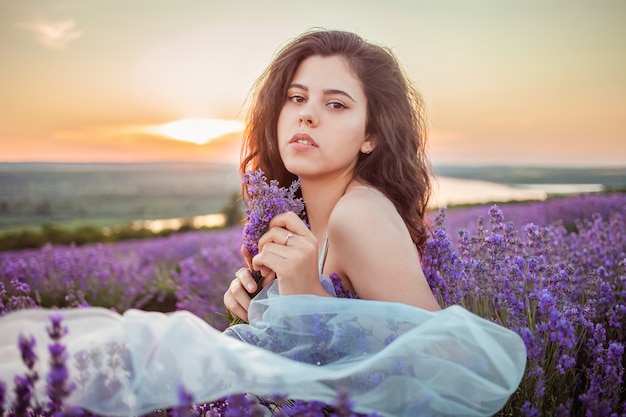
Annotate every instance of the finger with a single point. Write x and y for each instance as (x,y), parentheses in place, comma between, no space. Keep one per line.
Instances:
(268,279)
(239,294)
(237,300)
(277,235)
(290,221)
(246,256)
(234,308)
(271,258)
(285,229)
(246,279)
(265,271)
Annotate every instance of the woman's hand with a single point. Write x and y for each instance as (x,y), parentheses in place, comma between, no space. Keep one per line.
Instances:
(237,297)
(288,251)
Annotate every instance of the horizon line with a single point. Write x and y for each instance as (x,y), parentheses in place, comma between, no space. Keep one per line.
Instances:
(213,162)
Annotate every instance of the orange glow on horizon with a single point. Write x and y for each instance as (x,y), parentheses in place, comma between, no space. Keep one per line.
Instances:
(198,131)
(116,144)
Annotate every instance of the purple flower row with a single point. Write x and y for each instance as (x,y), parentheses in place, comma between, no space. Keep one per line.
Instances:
(562,289)
(164,273)
(552,271)
(564,210)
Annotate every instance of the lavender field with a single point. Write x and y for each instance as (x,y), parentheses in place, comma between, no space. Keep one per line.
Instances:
(552,271)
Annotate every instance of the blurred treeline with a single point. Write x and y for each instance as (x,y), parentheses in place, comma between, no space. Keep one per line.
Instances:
(55,234)
(84,203)
(44,203)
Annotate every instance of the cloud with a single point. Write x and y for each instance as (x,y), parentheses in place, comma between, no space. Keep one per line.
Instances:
(54,34)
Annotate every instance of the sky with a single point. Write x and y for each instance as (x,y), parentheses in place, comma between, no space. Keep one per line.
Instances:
(505,82)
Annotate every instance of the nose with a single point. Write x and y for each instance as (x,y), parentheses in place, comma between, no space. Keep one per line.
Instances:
(307,118)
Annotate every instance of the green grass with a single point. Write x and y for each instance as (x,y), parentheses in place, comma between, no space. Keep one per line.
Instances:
(71,196)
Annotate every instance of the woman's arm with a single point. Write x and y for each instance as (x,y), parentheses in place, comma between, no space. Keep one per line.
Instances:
(370,246)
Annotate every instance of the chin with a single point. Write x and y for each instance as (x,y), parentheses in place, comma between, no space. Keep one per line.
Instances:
(299,171)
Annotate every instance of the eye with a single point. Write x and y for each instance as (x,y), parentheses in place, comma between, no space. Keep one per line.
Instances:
(296,98)
(336,105)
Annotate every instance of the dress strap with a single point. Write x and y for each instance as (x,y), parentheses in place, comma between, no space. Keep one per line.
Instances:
(320,262)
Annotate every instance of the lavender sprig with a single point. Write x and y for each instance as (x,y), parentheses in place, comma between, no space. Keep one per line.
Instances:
(58,386)
(3,389)
(266,199)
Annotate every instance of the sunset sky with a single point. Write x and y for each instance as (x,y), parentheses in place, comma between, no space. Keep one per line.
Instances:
(505,82)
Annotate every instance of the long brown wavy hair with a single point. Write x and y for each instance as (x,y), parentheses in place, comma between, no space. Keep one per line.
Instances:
(398,166)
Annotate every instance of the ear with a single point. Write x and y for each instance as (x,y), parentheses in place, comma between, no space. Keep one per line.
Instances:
(369,145)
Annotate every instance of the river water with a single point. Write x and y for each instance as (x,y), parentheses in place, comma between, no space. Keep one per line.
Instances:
(450,191)
(447,192)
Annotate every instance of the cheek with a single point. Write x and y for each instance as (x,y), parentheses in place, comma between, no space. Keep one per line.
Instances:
(282,123)
(355,128)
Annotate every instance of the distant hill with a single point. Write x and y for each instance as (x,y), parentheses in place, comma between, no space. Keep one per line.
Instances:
(108,194)
(103,194)
(609,177)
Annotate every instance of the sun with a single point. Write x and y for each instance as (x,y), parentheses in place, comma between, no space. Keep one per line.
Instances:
(198,131)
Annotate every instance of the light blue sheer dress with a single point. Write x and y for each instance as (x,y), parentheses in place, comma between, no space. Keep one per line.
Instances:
(394,359)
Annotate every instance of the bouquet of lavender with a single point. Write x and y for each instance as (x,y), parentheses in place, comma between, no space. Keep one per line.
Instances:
(266,199)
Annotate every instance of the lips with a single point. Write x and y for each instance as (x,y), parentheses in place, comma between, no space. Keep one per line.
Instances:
(303,139)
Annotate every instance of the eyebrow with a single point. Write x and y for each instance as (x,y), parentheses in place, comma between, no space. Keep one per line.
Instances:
(326,92)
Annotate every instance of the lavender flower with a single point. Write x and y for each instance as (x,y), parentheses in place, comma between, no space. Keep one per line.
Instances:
(23,395)
(265,200)
(3,389)
(553,271)
(27,349)
(560,285)
(59,387)
(185,404)
(201,279)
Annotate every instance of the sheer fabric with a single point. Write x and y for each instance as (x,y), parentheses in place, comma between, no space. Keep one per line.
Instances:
(394,359)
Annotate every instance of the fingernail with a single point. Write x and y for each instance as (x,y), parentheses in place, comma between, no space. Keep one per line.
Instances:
(250,286)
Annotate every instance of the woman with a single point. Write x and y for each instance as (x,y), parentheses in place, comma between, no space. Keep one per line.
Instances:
(338,113)
(345,306)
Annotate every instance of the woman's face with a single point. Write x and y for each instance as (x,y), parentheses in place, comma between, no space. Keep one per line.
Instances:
(321,127)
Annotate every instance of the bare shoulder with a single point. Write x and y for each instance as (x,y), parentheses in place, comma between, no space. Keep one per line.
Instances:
(371,248)
(360,207)
(366,223)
